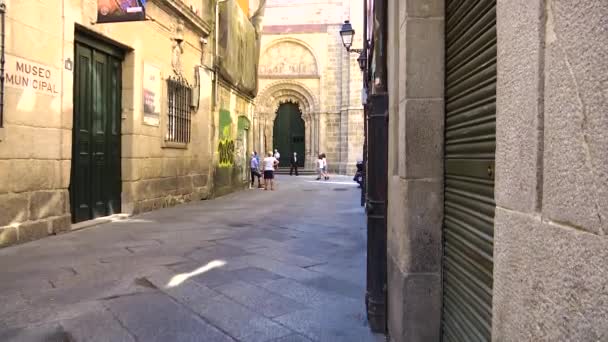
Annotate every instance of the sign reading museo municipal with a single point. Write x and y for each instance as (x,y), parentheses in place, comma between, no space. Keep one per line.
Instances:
(27,75)
(115,11)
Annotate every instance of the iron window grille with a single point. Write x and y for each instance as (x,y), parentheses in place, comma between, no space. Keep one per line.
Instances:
(179,115)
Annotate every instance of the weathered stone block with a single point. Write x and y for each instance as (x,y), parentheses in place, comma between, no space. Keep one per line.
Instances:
(423,8)
(518,94)
(47,203)
(550,281)
(424,59)
(131,169)
(423,131)
(575,188)
(33,231)
(184,184)
(8,236)
(65,168)
(414,305)
(4,176)
(169,167)
(61,224)
(13,208)
(32,175)
(200,180)
(415,217)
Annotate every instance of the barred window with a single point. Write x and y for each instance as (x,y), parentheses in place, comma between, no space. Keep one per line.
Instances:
(179,113)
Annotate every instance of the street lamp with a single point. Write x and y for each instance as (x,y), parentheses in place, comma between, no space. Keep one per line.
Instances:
(347,33)
(362,60)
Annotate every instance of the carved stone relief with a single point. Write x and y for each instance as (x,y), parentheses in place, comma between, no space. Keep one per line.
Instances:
(288,58)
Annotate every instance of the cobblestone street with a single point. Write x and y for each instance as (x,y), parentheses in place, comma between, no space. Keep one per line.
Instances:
(287,265)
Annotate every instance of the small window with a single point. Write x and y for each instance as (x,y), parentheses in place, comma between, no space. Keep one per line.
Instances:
(179,113)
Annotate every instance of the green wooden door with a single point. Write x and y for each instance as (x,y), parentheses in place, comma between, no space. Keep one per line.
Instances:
(95,184)
(470,141)
(288,133)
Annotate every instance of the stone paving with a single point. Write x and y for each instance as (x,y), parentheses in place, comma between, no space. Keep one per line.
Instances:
(284,266)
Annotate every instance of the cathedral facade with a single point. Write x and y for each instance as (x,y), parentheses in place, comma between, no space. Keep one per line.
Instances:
(309,97)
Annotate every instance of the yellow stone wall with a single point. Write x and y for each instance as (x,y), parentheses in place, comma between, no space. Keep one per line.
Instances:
(36,141)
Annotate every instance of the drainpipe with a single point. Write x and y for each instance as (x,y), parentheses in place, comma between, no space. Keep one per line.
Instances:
(377,174)
(216,49)
(2,60)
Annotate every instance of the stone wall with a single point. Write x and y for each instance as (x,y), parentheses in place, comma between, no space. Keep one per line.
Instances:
(550,246)
(35,148)
(415,170)
(551,180)
(230,167)
(36,140)
(155,173)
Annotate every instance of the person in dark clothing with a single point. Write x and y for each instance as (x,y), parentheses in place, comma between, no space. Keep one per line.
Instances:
(294,164)
(255,169)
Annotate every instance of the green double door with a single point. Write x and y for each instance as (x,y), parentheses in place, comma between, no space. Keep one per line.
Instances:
(95,183)
(288,134)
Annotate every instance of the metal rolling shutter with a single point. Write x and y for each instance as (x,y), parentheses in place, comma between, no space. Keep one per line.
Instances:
(470,142)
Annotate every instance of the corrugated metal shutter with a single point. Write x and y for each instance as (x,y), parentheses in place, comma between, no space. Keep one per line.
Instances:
(469,169)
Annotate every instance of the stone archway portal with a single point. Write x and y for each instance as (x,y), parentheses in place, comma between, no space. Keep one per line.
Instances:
(289,134)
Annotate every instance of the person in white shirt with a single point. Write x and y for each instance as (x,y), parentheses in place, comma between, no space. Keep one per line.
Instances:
(270,163)
(320,164)
(325,166)
(277,156)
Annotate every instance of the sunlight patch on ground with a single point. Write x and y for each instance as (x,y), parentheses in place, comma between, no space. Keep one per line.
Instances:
(182,277)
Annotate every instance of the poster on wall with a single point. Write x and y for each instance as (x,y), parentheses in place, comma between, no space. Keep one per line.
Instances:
(152,88)
(116,11)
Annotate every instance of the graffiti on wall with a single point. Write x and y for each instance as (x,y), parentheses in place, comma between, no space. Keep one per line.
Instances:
(225,150)
(225,147)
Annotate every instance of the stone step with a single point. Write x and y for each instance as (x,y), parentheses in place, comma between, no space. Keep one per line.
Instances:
(285,171)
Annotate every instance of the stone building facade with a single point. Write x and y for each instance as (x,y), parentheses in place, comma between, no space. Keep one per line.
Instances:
(109,118)
(514,235)
(303,62)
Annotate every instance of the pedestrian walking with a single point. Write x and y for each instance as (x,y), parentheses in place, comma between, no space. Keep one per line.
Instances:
(294,164)
(254,166)
(277,156)
(270,162)
(325,172)
(320,167)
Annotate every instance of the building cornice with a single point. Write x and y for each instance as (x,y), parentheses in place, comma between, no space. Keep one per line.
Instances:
(190,18)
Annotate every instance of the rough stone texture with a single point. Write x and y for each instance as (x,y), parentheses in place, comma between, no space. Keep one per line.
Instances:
(8,236)
(423,8)
(47,203)
(519,108)
(415,233)
(423,58)
(550,281)
(13,208)
(415,185)
(415,305)
(33,231)
(575,189)
(423,157)
(61,224)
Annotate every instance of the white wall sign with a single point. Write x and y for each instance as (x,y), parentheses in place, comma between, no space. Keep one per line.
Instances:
(152,92)
(24,74)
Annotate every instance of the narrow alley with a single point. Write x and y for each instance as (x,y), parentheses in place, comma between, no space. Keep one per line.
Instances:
(255,265)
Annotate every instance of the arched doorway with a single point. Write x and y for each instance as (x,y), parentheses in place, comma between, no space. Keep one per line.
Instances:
(288,133)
